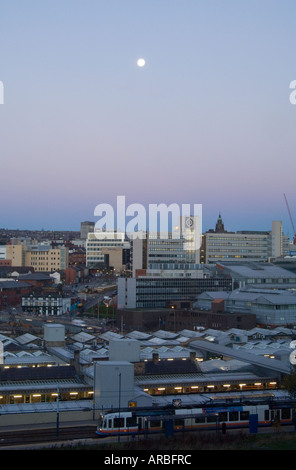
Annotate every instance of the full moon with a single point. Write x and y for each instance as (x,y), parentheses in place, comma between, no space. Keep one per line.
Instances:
(141,62)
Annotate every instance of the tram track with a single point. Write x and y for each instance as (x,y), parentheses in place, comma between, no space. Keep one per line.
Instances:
(45,436)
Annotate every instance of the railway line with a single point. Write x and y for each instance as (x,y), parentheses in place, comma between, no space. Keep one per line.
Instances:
(45,437)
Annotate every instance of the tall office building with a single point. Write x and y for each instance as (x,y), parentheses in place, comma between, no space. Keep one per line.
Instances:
(85,229)
(138,254)
(178,249)
(276,239)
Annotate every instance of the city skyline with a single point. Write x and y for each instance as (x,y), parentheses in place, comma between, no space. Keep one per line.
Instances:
(207,120)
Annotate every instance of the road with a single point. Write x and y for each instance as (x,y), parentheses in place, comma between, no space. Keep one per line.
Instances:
(90,300)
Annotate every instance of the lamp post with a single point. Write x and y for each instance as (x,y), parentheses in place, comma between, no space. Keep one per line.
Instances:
(119,397)
(58,411)
(173,308)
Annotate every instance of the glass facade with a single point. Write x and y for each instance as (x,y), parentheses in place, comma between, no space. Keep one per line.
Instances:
(157,293)
(164,252)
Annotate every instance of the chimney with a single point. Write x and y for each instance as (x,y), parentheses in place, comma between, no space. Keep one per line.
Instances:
(155,358)
(75,362)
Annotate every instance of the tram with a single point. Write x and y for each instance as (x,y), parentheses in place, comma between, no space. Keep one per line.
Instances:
(233,413)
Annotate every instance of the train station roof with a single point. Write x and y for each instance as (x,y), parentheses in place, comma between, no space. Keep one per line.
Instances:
(245,356)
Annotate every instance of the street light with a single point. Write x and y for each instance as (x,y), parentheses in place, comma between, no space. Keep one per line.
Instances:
(119,396)
(58,411)
(173,308)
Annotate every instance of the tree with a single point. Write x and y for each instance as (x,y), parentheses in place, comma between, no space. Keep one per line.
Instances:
(289,383)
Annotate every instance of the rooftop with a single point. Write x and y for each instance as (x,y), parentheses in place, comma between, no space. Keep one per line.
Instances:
(275,297)
(257,270)
(37,373)
(13,285)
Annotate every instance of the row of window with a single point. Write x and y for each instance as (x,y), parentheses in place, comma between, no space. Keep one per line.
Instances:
(43,263)
(100,244)
(239,238)
(19,398)
(251,251)
(169,282)
(223,416)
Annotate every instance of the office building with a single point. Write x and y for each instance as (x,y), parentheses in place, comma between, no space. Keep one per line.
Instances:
(245,245)
(176,249)
(40,257)
(45,258)
(2,252)
(16,254)
(138,254)
(107,250)
(162,292)
(276,239)
(86,228)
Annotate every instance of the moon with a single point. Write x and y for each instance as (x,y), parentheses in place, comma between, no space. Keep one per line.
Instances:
(141,62)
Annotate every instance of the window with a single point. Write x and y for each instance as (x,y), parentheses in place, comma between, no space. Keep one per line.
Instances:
(244,415)
(118,422)
(211,419)
(233,416)
(132,421)
(155,423)
(223,416)
(179,422)
(286,413)
(200,419)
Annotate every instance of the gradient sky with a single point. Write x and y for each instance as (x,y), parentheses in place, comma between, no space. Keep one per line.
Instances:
(208,119)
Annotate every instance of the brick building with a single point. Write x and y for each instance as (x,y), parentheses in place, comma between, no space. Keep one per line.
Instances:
(175,319)
(11,293)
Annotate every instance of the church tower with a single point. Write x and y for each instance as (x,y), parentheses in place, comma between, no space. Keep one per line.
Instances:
(219,225)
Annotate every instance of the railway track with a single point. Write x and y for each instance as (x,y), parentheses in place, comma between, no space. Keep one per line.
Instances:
(45,436)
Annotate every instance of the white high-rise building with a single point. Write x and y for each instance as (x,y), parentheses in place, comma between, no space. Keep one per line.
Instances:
(100,245)
(178,248)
